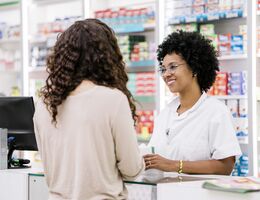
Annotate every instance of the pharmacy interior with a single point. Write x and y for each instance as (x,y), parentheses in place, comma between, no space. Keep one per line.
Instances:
(29,28)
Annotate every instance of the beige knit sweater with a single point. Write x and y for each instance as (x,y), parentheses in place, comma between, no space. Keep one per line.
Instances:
(93,147)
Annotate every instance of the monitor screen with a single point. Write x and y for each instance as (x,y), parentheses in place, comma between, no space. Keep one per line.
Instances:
(16,114)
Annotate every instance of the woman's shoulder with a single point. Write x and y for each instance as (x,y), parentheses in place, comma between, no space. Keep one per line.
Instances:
(215,105)
(110,92)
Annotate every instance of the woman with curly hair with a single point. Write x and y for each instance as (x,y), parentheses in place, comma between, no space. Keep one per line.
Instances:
(194,133)
(84,122)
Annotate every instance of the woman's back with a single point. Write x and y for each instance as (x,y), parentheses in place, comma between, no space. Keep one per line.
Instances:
(87,154)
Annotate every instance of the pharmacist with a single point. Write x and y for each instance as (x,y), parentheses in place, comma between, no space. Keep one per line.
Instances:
(194,133)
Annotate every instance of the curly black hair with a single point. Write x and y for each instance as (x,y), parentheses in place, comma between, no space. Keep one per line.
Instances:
(197,51)
(87,50)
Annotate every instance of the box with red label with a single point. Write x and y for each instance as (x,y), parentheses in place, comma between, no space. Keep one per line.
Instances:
(198,2)
(225,4)
(145,119)
(224,48)
(99,14)
(197,10)
(224,38)
(221,84)
(213,1)
(211,8)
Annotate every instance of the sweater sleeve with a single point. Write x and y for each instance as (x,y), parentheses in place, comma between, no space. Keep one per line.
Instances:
(129,160)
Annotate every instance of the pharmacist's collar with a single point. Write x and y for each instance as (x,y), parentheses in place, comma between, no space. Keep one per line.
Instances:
(194,107)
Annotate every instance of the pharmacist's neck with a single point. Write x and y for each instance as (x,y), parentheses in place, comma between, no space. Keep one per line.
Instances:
(189,98)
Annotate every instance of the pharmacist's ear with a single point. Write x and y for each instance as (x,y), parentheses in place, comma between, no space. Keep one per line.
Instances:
(194,74)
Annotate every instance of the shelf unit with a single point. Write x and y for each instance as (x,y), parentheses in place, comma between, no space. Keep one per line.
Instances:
(233,63)
(134,28)
(11,71)
(256,46)
(233,57)
(50,17)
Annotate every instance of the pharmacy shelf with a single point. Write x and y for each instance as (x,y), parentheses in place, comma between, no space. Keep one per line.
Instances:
(9,71)
(141,66)
(230,97)
(233,57)
(207,18)
(133,28)
(10,41)
(37,73)
(140,69)
(48,2)
(145,99)
(37,69)
(258,12)
(9,5)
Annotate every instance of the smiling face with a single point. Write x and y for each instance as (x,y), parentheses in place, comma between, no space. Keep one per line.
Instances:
(178,76)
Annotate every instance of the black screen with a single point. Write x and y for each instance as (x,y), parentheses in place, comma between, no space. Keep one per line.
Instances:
(16,114)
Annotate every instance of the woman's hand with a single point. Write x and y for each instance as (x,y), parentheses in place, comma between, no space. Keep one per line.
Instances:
(155,161)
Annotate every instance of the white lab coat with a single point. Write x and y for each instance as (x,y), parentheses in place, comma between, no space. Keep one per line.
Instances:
(203,132)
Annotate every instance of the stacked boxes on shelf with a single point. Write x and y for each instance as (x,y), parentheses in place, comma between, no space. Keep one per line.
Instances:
(124,16)
(145,123)
(237,83)
(185,27)
(230,44)
(226,44)
(208,30)
(186,11)
(220,86)
(142,84)
(57,26)
(9,32)
(45,39)
(233,83)
(241,166)
(135,48)
(10,60)
(39,54)
(238,109)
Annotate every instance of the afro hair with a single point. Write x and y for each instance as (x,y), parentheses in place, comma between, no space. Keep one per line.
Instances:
(197,51)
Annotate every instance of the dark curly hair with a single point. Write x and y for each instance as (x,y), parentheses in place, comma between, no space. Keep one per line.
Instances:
(197,51)
(87,50)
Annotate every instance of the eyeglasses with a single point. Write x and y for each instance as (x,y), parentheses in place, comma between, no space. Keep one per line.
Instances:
(171,69)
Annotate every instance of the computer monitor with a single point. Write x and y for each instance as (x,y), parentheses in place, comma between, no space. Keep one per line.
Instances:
(16,114)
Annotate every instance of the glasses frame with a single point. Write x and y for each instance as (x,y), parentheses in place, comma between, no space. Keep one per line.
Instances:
(170,69)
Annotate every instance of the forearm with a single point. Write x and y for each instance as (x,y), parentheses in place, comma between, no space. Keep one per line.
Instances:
(223,167)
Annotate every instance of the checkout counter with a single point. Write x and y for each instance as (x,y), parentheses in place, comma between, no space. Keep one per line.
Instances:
(29,184)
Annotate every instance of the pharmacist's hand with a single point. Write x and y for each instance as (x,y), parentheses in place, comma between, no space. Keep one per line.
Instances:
(155,161)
